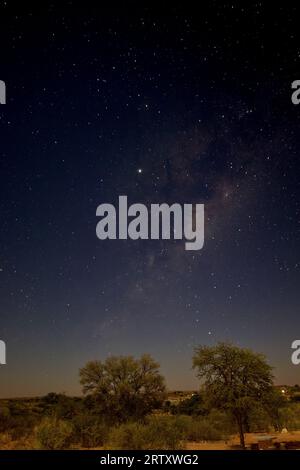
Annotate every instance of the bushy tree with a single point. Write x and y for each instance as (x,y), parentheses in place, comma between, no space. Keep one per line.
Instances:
(123,387)
(235,379)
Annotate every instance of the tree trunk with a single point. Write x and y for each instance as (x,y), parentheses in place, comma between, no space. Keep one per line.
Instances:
(241,431)
(246,423)
(242,438)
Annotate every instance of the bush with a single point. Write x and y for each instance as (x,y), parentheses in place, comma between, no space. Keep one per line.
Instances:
(89,431)
(194,405)
(163,432)
(259,420)
(4,418)
(169,432)
(290,417)
(53,434)
(211,428)
(16,426)
(129,436)
(203,430)
(221,422)
(181,422)
(60,405)
(157,433)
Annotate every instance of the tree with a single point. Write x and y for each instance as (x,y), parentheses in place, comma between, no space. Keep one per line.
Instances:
(235,379)
(124,388)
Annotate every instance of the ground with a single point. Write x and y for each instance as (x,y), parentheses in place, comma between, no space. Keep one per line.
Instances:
(233,443)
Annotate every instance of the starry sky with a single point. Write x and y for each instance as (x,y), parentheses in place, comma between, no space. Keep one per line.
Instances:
(162,105)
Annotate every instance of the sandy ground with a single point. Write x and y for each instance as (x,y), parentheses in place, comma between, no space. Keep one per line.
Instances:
(233,443)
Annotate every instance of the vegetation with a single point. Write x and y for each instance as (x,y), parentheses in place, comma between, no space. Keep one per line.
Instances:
(156,433)
(53,434)
(235,380)
(124,388)
(125,406)
(89,431)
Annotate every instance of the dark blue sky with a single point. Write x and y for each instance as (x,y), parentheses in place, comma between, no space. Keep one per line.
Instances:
(201,103)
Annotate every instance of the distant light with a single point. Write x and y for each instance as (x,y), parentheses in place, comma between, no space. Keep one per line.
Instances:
(283,391)
(140,170)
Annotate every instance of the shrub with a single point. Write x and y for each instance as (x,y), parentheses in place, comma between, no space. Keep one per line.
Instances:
(53,434)
(169,432)
(203,430)
(16,426)
(89,431)
(198,428)
(290,417)
(212,427)
(163,432)
(60,405)
(128,436)
(157,433)
(4,418)
(222,421)
(259,420)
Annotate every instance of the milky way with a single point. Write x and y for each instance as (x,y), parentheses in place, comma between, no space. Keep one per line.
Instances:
(166,105)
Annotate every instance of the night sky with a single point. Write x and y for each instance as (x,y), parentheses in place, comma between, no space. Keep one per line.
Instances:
(162,105)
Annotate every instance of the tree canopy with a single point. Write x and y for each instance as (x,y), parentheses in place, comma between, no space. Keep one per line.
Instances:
(124,387)
(234,379)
